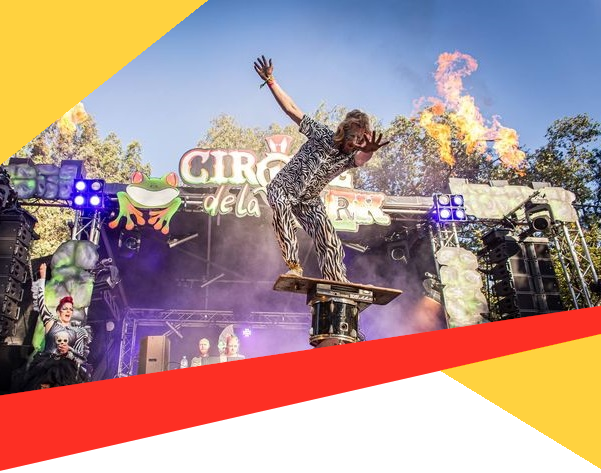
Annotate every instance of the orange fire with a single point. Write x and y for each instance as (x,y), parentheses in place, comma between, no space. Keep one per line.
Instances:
(465,116)
(506,146)
(441,133)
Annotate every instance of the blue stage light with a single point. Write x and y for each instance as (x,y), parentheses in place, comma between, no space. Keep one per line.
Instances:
(457,200)
(88,194)
(444,199)
(445,214)
(449,208)
(97,185)
(459,214)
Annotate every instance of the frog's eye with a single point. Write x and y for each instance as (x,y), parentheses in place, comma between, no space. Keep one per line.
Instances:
(137,177)
(171,179)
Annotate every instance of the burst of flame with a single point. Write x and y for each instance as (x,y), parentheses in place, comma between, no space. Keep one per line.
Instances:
(464,114)
(441,133)
(506,146)
(452,67)
(470,124)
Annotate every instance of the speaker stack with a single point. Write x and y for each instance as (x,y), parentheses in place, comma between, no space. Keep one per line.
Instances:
(16,234)
(524,282)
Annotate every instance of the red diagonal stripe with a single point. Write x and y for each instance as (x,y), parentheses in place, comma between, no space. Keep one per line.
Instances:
(122,410)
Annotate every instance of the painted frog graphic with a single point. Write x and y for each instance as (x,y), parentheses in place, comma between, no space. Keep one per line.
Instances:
(159,194)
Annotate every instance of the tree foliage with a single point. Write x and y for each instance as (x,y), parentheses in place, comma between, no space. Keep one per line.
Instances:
(409,166)
(571,159)
(226,133)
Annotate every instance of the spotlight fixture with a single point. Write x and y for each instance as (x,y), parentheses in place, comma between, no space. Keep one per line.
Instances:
(538,215)
(448,208)
(88,194)
(398,251)
(106,272)
(129,243)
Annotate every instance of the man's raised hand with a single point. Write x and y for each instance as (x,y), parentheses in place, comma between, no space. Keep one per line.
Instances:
(372,143)
(264,67)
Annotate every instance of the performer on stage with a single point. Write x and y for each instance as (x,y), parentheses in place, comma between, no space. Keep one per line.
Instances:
(63,360)
(294,191)
(203,348)
(230,351)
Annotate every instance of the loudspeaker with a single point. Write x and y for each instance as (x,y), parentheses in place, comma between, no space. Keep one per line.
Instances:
(495,236)
(16,234)
(11,288)
(503,251)
(154,355)
(17,227)
(13,268)
(15,249)
(10,309)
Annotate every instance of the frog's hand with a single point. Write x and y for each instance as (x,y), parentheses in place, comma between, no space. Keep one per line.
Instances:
(161,218)
(131,210)
(126,209)
(129,223)
(114,223)
(165,229)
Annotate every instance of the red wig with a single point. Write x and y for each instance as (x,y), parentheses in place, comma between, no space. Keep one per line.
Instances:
(63,301)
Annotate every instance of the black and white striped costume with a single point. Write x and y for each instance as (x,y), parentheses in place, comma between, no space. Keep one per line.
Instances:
(294,192)
(49,366)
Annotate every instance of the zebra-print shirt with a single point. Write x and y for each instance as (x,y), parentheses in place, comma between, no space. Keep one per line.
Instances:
(315,164)
(78,336)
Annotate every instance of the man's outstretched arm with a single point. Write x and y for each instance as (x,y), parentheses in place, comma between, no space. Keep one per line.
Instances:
(264,68)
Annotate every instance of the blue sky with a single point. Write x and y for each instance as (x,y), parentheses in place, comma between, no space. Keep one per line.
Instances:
(538,61)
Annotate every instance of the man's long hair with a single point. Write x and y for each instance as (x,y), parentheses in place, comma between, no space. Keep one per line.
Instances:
(353,118)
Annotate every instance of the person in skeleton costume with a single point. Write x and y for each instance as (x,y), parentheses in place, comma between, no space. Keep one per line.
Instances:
(294,191)
(63,360)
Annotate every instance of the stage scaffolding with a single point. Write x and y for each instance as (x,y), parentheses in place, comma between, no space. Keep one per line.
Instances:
(172,320)
(577,266)
(566,241)
(568,244)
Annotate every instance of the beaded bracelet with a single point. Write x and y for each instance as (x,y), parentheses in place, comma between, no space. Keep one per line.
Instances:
(269,81)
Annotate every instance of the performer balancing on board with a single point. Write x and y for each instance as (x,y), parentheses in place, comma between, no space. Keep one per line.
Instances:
(294,191)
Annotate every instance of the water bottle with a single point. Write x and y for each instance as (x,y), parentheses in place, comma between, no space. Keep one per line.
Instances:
(184,362)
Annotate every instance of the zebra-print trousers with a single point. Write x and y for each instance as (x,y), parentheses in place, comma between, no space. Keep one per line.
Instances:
(312,216)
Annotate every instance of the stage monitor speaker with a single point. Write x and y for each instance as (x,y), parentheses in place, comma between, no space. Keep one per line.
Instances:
(154,354)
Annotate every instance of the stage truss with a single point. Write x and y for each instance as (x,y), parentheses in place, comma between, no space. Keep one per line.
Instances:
(172,320)
(567,244)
